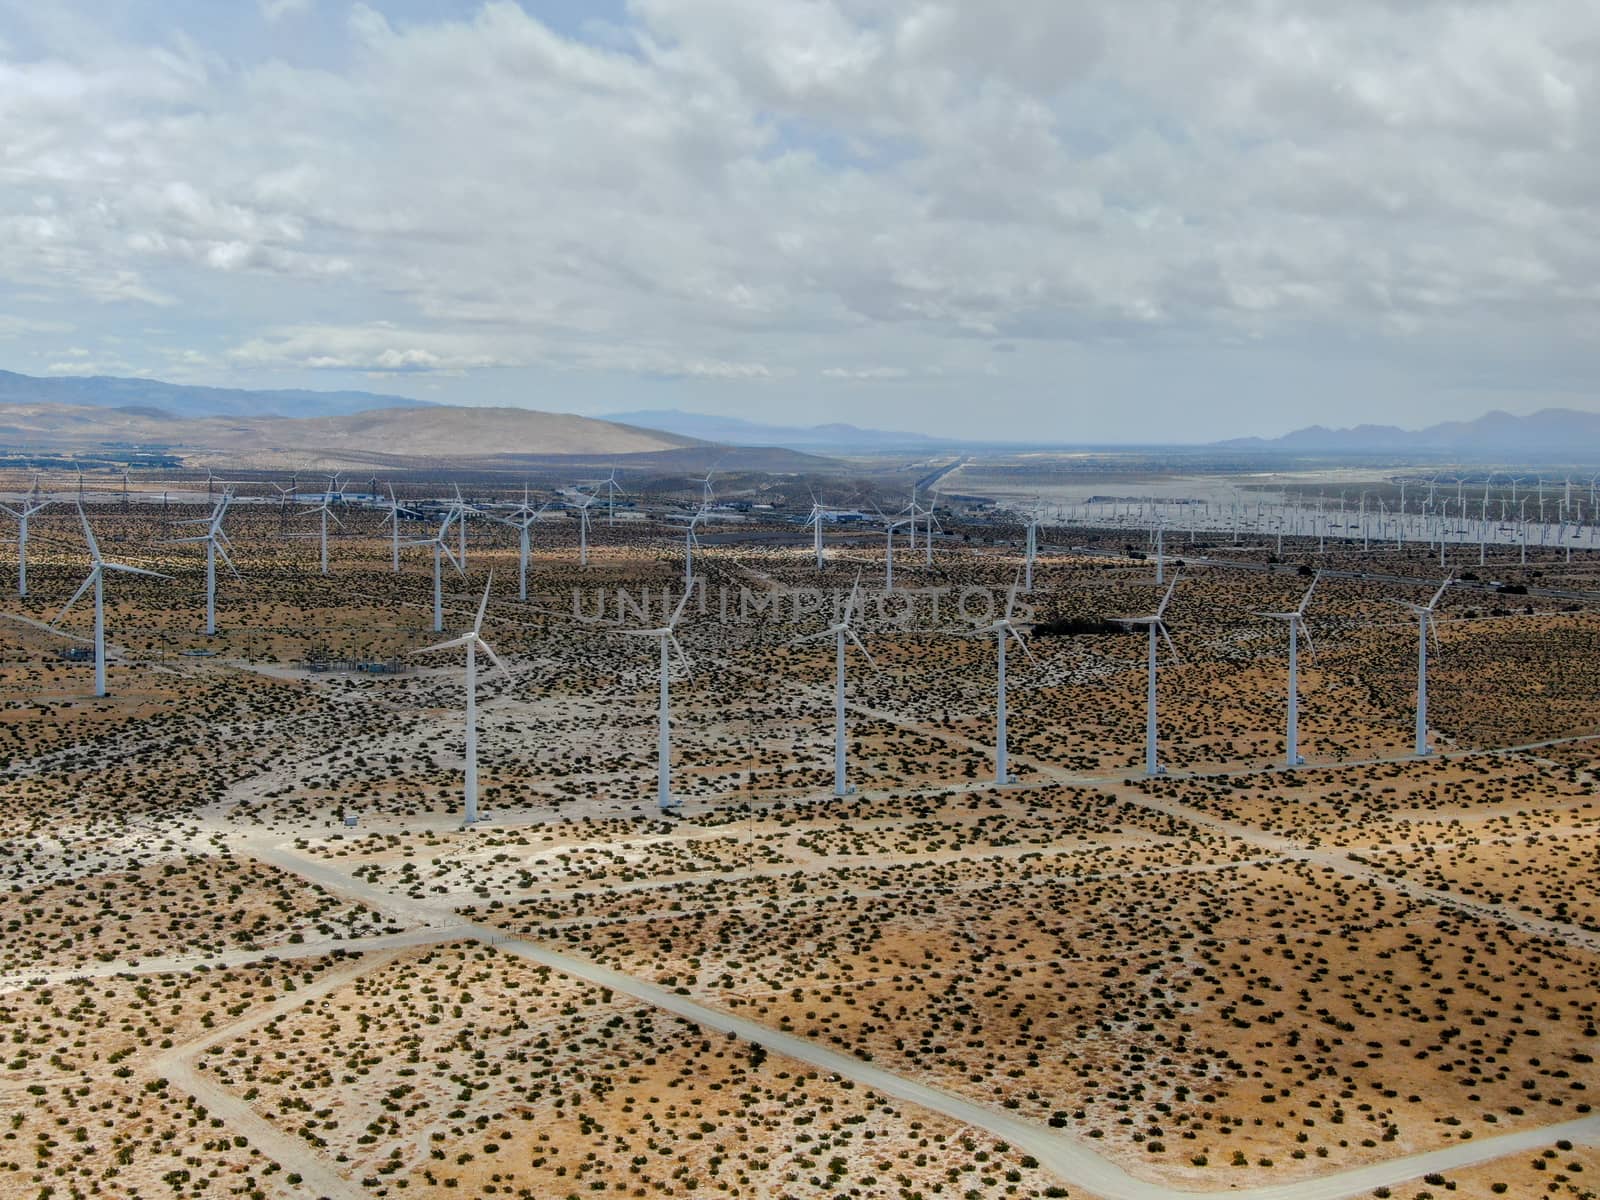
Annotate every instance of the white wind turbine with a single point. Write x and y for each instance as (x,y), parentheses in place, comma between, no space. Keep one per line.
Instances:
(840,631)
(21,515)
(888,551)
(96,579)
(441,550)
(706,495)
(612,488)
(323,511)
(691,543)
(216,547)
(665,636)
(1297,626)
(1003,628)
(522,521)
(1032,549)
(1155,624)
(1424,615)
(473,642)
(392,519)
(931,523)
(814,523)
(582,505)
(459,510)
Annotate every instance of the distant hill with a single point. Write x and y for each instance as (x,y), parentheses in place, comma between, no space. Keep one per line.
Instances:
(182,400)
(1564,433)
(400,437)
(732,431)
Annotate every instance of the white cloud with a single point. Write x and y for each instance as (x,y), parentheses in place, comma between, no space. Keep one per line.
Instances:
(728,193)
(276,10)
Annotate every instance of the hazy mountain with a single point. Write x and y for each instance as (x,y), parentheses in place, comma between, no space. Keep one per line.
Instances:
(437,434)
(1559,432)
(181,400)
(733,431)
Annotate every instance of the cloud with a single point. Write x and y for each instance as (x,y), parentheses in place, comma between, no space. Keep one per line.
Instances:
(276,10)
(721,193)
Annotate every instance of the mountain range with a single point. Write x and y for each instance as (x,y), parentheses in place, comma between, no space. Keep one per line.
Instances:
(1566,433)
(82,411)
(183,400)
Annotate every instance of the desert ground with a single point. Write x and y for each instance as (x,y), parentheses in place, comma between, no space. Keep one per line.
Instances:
(253,950)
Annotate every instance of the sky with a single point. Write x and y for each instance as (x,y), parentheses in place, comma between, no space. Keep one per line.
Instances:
(1141,220)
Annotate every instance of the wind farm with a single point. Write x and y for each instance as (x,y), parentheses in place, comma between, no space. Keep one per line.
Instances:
(1089,916)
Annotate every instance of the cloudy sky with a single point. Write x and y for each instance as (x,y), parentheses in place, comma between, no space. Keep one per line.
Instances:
(1126,221)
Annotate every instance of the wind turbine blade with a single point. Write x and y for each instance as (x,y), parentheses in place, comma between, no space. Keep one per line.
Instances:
(678,612)
(223,555)
(493,657)
(1310,645)
(483,604)
(1167,637)
(814,637)
(1167,599)
(682,657)
(1315,579)
(1021,642)
(850,604)
(851,634)
(126,570)
(450,645)
(1448,581)
(88,582)
(1011,598)
(88,535)
(451,555)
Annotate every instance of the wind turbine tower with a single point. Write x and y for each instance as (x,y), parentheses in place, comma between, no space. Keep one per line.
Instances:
(665,636)
(1425,619)
(841,631)
(1155,624)
(96,579)
(21,516)
(473,642)
(1297,626)
(216,547)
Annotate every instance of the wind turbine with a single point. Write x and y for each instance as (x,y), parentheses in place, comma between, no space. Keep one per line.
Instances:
(1154,623)
(323,510)
(840,631)
(583,528)
(1297,626)
(1002,629)
(216,547)
(1032,549)
(473,642)
(21,515)
(285,498)
(1424,615)
(888,552)
(522,520)
(441,550)
(814,522)
(392,519)
(928,527)
(690,543)
(665,636)
(460,510)
(612,488)
(706,495)
(96,579)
